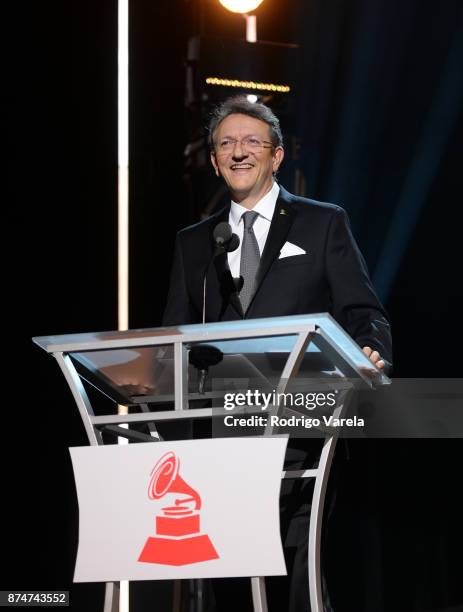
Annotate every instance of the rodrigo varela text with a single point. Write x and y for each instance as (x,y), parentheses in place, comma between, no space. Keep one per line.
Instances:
(292,421)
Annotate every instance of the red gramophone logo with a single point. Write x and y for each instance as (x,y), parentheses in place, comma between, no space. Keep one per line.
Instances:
(178,540)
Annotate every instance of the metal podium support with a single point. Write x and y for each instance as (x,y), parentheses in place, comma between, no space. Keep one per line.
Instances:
(78,355)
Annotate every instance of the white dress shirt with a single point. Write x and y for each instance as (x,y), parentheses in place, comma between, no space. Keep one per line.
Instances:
(265,207)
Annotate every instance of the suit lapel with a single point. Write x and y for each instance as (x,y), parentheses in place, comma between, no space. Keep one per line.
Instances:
(282,220)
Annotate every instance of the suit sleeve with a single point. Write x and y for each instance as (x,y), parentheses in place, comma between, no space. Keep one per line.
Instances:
(355,304)
(178,310)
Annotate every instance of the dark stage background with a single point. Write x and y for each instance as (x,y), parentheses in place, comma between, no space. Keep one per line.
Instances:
(379,114)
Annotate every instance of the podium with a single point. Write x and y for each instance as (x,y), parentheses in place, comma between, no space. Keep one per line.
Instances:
(153,377)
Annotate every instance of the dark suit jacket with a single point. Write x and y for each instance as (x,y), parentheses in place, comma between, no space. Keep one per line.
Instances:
(331,277)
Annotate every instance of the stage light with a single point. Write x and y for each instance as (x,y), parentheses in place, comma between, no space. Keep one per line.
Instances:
(122,230)
(247,84)
(123,165)
(252,98)
(240,6)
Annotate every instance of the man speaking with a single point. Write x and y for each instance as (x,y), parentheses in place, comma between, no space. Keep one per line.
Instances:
(295,256)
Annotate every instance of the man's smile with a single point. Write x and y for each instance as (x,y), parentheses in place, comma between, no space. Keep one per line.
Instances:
(242,166)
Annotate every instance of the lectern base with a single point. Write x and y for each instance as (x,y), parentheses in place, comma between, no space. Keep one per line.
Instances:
(167,551)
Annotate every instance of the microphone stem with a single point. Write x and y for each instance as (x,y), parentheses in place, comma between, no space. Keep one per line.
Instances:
(219,249)
(204,296)
(215,253)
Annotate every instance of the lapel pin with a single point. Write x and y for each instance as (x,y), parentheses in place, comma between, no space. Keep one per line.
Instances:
(282,211)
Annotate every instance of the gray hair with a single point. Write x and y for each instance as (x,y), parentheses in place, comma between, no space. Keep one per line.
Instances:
(240,105)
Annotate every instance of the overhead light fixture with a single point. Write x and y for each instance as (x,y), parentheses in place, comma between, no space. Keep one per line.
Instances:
(241,6)
(252,98)
(247,84)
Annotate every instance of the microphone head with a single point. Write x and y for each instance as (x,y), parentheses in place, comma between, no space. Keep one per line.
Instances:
(233,244)
(201,356)
(222,233)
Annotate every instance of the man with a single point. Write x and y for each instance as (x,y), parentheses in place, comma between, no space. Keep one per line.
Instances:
(296,256)
(300,256)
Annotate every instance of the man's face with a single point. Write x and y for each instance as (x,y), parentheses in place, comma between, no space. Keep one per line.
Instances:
(248,174)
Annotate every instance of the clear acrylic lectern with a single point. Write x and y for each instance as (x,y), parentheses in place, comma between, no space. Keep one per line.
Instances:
(167,374)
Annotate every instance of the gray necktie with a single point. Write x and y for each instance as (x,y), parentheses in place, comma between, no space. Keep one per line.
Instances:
(250,258)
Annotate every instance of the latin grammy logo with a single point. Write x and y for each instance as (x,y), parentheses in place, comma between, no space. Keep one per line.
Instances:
(178,540)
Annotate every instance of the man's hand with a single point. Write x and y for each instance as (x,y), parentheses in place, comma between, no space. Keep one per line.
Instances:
(374,356)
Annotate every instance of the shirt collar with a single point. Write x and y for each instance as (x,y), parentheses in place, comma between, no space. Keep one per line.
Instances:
(265,206)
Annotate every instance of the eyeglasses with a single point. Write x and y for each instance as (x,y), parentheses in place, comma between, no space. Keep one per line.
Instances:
(250,143)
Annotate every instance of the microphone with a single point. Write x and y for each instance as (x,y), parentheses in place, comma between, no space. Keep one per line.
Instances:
(225,241)
(201,356)
(233,244)
(222,234)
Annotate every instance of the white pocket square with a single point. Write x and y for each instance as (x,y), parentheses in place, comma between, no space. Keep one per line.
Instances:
(289,249)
